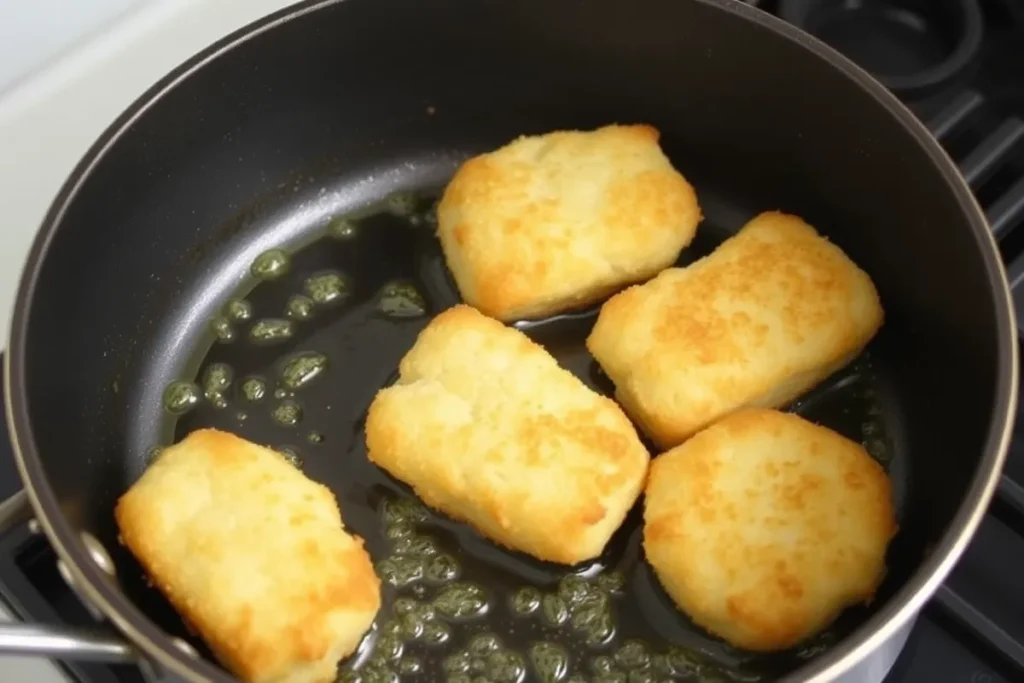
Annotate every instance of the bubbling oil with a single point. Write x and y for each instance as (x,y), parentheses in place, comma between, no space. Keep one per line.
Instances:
(300,307)
(238,310)
(271,331)
(270,265)
(327,287)
(302,368)
(327,322)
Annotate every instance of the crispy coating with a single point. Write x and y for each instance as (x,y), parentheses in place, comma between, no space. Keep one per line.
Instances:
(487,428)
(553,222)
(758,322)
(765,526)
(253,556)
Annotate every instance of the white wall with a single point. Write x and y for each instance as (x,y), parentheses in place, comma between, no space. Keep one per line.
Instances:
(34,32)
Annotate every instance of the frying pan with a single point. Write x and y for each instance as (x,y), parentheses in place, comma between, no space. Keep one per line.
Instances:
(327,110)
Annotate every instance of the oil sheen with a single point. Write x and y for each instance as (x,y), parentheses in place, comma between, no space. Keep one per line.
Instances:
(301,356)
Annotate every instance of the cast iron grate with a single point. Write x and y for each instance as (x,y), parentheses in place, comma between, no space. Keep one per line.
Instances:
(1005,213)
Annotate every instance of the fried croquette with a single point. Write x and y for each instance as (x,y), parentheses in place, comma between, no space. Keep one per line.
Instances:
(254,557)
(758,322)
(764,527)
(486,427)
(554,222)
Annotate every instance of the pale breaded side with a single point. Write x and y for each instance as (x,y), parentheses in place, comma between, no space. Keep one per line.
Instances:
(758,322)
(486,427)
(553,222)
(765,526)
(254,557)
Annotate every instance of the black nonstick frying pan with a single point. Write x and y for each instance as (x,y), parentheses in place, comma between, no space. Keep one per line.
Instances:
(362,109)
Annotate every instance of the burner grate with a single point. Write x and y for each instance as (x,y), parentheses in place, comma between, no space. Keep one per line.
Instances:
(1005,215)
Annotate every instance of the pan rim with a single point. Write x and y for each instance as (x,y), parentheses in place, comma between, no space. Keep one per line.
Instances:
(901,609)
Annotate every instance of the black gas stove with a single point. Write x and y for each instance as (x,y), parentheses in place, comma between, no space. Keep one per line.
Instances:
(958,64)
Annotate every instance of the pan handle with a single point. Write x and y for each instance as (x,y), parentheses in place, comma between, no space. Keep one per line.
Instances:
(64,642)
(52,641)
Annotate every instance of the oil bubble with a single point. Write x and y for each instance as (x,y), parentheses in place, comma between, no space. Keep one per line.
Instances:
(391,626)
(254,389)
(302,368)
(585,604)
(602,664)
(401,300)
(554,609)
(412,626)
(408,666)
(239,310)
(400,570)
(217,379)
(441,568)
(505,666)
(271,331)
(457,663)
(222,329)
(377,671)
(287,413)
(241,416)
(611,582)
(315,437)
(291,454)
(326,287)
(270,265)
(408,510)
(632,655)
(349,676)
(483,644)
(682,662)
(403,606)
(398,530)
(280,393)
(550,661)
(180,397)
(574,589)
(388,647)
(342,229)
(422,546)
(593,618)
(526,600)
(300,307)
(436,633)
(461,601)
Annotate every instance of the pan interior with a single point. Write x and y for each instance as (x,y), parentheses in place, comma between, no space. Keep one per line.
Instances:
(455,605)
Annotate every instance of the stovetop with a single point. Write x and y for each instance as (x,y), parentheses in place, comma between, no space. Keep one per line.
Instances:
(958,64)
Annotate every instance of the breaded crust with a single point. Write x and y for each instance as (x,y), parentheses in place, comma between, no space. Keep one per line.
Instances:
(758,322)
(764,526)
(253,556)
(553,222)
(486,427)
